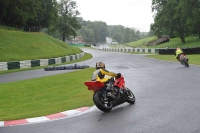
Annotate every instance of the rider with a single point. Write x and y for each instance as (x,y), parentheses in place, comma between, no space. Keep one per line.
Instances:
(178,52)
(100,72)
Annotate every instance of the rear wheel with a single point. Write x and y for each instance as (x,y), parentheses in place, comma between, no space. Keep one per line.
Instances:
(101,103)
(129,96)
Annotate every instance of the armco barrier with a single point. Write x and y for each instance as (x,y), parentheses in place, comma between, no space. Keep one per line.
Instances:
(34,63)
(159,51)
(192,50)
(44,62)
(185,50)
(25,64)
(63,59)
(51,61)
(126,49)
(41,62)
(166,51)
(3,66)
(13,65)
(146,50)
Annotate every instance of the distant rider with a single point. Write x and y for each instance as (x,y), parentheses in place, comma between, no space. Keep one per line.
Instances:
(178,52)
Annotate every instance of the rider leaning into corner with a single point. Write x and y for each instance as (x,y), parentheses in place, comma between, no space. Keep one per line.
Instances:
(100,72)
(178,52)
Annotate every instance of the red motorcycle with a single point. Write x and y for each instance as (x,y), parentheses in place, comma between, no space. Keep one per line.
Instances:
(107,96)
(184,60)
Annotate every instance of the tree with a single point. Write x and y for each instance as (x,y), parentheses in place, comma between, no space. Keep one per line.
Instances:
(4,5)
(67,22)
(170,18)
(16,13)
(133,35)
(32,15)
(117,32)
(87,34)
(47,13)
(191,10)
(93,32)
(100,31)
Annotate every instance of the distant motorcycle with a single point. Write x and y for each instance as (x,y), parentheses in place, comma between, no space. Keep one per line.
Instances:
(115,93)
(184,60)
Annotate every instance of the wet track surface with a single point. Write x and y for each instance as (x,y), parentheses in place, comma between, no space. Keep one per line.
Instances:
(167,99)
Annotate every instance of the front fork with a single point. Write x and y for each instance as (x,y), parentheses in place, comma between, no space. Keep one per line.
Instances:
(105,95)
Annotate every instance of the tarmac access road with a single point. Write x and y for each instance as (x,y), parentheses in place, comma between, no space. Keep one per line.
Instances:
(167,99)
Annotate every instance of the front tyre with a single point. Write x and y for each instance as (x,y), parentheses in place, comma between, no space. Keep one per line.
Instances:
(103,105)
(186,63)
(129,96)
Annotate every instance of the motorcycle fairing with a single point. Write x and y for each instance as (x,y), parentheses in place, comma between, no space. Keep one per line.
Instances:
(120,82)
(94,85)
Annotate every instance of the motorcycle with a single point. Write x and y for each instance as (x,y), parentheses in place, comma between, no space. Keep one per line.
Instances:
(107,96)
(184,60)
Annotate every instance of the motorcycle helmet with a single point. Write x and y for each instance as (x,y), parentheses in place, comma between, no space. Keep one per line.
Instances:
(100,65)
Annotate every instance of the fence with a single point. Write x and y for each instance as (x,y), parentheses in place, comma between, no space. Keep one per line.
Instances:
(40,62)
(185,50)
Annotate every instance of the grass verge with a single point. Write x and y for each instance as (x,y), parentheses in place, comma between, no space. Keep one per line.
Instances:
(18,46)
(193,59)
(44,96)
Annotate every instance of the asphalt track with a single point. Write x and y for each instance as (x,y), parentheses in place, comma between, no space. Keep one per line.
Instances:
(167,99)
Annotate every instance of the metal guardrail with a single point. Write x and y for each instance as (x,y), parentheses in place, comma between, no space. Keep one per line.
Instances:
(185,50)
(40,62)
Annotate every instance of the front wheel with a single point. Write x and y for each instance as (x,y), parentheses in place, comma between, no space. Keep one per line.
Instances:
(129,96)
(101,103)
(185,62)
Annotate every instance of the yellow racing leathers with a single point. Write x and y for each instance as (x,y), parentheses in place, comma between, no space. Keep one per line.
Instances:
(177,53)
(99,75)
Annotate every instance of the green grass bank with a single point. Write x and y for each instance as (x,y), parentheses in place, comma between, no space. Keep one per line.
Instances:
(191,42)
(40,96)
(18,46)
(46,95)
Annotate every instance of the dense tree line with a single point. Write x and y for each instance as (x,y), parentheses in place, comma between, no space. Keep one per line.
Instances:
(177,18)
(93,31)
(123,34)
(60,19)
(97,31)
(34,15)
(31,15)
